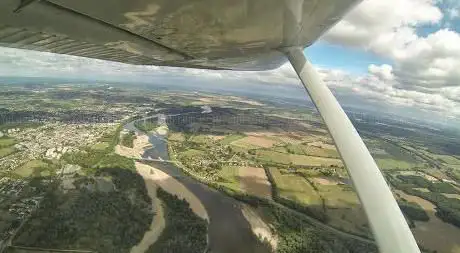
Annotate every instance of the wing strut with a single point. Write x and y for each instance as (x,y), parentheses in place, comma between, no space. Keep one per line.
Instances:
(387,222)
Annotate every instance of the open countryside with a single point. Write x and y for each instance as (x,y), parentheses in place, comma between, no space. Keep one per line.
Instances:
(202,170)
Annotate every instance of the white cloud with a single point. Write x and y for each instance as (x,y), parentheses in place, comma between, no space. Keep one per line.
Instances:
(424,70)
(371,85)
(373,23)
(383,72)
(388,28)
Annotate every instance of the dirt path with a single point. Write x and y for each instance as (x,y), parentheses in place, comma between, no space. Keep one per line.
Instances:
(158,222)
(434,234)
(172,186)
(254,181)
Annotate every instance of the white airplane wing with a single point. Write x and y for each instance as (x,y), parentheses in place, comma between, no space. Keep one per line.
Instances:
(216,34)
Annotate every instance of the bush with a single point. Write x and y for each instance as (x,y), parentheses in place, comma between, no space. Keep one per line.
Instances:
(413,211)
(146,126)
(116,161)
(442,187)
(128,139)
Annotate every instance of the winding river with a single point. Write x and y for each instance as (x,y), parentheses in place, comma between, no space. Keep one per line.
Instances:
(229,231)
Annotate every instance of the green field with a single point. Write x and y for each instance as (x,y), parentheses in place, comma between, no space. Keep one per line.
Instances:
(272,156)
(391,156)
(295,149)
(36,167)
(241,143)
(228,177)
(343,208)
(231,138)
(100,146)
(395,164)
(315,151)
(6,151)
(314,161)
(200,139)
(295,188)
(239,149)
(303,149)
(6,142)
(191,153)
(280,149)
(283,158)
(338,195)
(176,137)
(448,159)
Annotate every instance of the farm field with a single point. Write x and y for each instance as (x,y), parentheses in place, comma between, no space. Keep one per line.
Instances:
(229,177)
(434,234)
(255,141)
(343,208)
(254,181)
(283,158)
(6,142)
(6,146)
(296,188)
(245,179)
(306,172)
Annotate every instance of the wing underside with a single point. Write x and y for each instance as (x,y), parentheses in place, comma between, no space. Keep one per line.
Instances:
(216,34)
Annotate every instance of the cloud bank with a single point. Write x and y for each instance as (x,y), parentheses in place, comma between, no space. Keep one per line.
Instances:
(424,69)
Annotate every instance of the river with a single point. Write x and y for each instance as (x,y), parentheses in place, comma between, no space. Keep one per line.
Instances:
(229,231)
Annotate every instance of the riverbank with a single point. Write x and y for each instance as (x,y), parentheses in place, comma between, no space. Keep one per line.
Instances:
(158,222)
(259,227)
(140,143)
(229,230)
(172,186)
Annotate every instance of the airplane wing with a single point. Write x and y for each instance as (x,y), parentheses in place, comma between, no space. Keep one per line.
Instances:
(216,34)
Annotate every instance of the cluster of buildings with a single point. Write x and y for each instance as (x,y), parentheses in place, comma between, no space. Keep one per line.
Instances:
(15,207)
(11,187)
(51,141)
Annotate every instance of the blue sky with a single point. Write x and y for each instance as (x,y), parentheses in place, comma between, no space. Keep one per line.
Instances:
(353,60)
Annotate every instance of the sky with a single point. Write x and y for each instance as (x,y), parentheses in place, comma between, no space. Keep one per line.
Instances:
(397,53)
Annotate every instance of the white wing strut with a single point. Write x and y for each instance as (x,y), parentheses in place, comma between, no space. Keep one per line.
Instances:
(387,222)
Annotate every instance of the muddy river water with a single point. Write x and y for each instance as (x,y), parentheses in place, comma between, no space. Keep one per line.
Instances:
(229,231)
